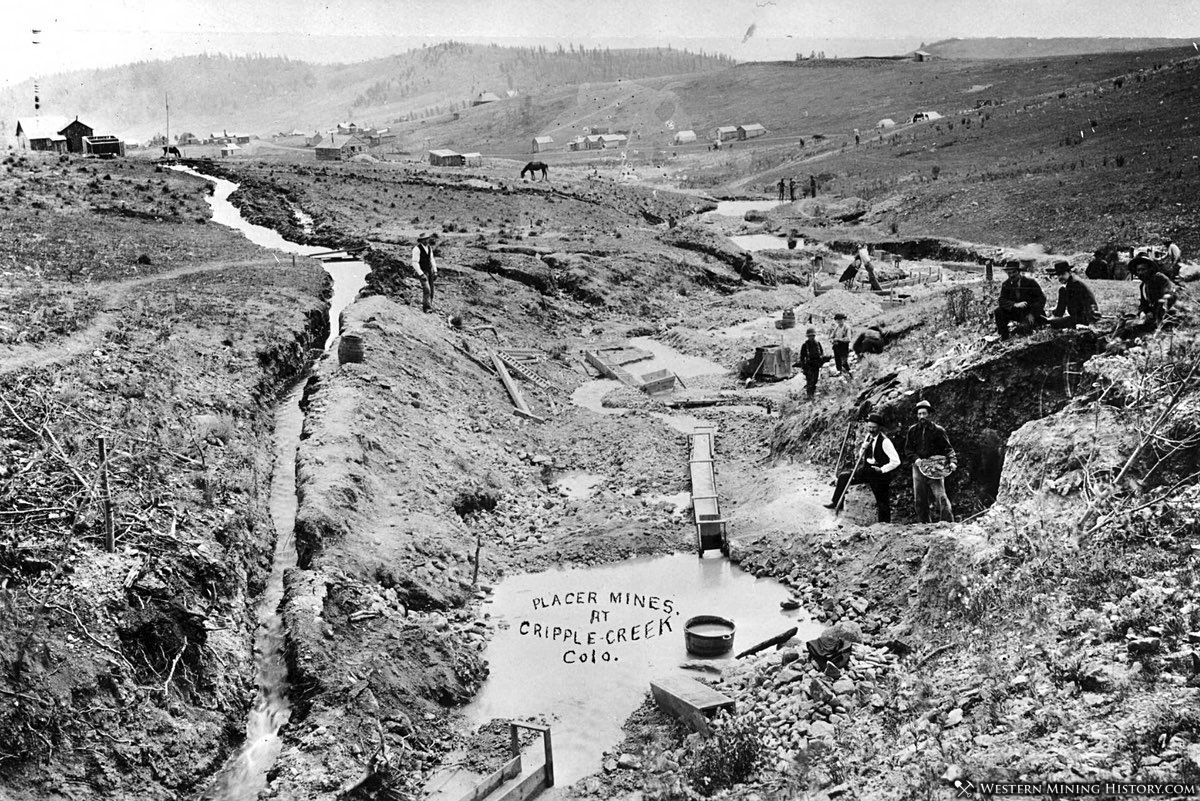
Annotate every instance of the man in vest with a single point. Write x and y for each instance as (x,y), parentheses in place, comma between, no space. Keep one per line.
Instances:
(425,266)
(923,440)
(873,467)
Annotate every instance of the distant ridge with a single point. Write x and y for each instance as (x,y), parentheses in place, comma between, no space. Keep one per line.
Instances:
(1028,47)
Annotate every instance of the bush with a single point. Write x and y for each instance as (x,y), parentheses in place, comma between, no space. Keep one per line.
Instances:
(727,758)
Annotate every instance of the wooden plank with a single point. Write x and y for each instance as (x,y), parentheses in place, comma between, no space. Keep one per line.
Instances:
(509,770)
(688,699)
(514,392)
(528,787)
(609,371)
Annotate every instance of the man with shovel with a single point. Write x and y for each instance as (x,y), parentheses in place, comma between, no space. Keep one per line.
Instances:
(877,458)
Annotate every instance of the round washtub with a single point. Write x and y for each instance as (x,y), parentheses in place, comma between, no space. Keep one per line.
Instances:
(708,635)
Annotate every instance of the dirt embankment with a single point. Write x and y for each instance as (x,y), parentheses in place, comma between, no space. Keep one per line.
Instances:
(126,674)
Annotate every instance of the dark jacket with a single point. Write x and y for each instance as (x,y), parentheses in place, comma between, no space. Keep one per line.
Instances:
(1076,301)
(1155,287)
(812,355)
(869,341)
(927,439)
(1022,288)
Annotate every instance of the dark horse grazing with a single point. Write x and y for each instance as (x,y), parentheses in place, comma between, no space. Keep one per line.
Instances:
(536,167)
(172,151)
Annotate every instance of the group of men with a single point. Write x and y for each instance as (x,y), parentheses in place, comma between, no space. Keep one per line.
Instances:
(1022,305)
(926,446)
(813,357)
(787,187)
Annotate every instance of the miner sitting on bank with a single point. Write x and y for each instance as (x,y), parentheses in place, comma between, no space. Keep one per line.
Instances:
(1156,296)
(1022,302)
(1076,303)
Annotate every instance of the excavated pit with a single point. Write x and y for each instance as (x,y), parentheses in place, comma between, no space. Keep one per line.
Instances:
(981,406)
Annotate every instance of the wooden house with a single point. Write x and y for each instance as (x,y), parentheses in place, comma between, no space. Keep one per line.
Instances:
(725,132)
(76,132)
(229,149)
(103,146)
(339,148)
(42,133)
(541,144)
(446,158)
(613,140)
(750,131)
(684,137)
(472,159)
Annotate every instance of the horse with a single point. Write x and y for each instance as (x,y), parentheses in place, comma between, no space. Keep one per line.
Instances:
(535,167)
(172,151)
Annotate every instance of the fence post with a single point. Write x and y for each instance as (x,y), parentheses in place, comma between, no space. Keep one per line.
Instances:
(110,543)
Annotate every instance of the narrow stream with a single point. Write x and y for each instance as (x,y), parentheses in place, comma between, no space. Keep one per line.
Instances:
(245,772)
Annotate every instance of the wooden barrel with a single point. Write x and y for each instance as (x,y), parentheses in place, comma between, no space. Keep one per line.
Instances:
(350,348)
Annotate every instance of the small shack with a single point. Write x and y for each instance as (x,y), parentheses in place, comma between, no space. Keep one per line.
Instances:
(541,144)
(750,131)
(613,140)
(885,123)
(103,146)
(922,55)
(446,158)
(684,137)
(472,159)
(578,143)
(726,132)
(594,142)
(229,149)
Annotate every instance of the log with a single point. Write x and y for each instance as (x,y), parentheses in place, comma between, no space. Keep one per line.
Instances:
(778,639)
(514,392)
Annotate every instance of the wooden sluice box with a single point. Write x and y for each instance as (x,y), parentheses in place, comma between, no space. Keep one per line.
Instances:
(689,701)
(711,527)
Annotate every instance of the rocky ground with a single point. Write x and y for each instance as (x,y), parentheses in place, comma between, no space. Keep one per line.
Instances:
(1051,634)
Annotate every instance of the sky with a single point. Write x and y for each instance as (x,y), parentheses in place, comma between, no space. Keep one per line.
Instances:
(80,34)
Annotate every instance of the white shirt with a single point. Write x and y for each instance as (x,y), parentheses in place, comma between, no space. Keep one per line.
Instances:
(888,448)
(416,261)
(864,255)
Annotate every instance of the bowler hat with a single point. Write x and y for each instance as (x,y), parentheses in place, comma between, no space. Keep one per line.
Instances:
(876,418)
(1012,266)
(839,316)
(1061,267)
(812,332)
(1141,262)
(925,405)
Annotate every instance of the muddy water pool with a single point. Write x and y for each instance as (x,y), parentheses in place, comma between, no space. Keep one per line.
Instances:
(736,208)
(578,647)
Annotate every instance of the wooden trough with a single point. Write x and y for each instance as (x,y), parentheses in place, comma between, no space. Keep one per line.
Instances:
(689,701)
(711,528)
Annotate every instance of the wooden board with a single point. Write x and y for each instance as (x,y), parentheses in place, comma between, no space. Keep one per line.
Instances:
(528,787)
(610,371)
(688,700)
(510,770)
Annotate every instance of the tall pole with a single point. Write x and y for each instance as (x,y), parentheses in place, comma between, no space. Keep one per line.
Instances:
(167,100)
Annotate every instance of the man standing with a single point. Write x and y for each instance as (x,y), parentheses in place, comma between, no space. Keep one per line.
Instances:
(873,467)
(862,258)
(812,356)
(1076,303)
(1021,301)
(425,266)
(812,185)
(840,334)
(781,188)
(924,440)
(792,188)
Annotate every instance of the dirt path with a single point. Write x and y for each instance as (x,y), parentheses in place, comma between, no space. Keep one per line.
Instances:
(115,297)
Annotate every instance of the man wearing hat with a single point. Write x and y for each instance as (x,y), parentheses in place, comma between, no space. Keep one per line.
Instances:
(1076,303)
(812,356)
(926,439)
(875,462)
(840,334)
(425,266)
(1021,301)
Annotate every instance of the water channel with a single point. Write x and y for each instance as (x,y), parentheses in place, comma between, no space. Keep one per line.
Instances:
(244,774)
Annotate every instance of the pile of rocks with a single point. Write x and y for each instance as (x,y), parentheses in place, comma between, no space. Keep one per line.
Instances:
(797,703)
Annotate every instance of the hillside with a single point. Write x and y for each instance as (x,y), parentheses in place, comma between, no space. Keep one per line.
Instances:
(1029,47)
(262,95)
